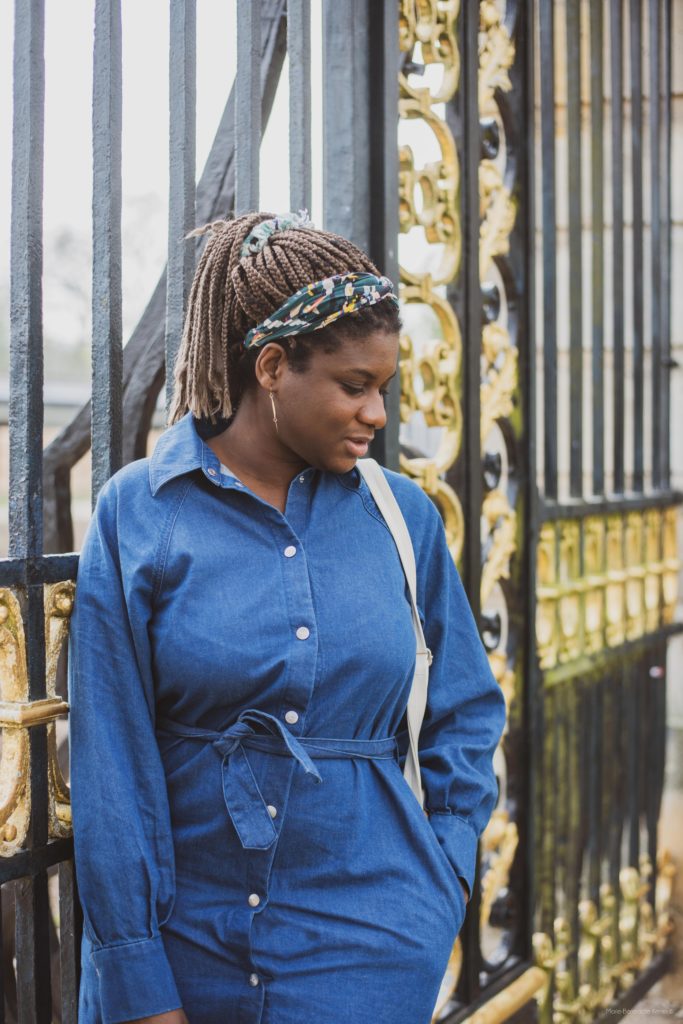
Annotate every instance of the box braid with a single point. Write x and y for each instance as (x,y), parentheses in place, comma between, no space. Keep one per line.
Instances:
(232,293)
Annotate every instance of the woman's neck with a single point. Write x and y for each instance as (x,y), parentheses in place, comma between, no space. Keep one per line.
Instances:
(250,448)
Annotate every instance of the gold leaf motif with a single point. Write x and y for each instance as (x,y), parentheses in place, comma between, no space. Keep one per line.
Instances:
(497,212)
(59,599)
(438,184)
(497,512)
(15,790)
(431,26)
(496,56)
(500,378)
(499,842)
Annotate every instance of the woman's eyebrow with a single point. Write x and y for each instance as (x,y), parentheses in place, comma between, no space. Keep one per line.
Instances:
(368,374)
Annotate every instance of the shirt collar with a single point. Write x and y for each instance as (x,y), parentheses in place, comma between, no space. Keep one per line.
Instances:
(181,450)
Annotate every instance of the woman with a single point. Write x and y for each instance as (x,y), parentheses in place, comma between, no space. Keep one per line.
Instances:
(242,649)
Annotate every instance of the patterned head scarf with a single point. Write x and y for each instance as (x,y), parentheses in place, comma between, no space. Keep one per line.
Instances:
(316,305)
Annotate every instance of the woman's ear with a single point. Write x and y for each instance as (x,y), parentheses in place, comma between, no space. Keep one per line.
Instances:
(271,363)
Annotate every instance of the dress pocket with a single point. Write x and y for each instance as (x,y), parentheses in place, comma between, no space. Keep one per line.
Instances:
(441,868)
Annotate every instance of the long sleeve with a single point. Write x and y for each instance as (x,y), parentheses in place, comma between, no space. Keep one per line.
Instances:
(465,712)
(122,833)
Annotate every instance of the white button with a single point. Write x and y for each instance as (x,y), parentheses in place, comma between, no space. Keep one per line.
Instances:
(253,980)
(211,472)
(291,717)
(303,633)
(302,479)
(254,899)
(290,551)
(272,811)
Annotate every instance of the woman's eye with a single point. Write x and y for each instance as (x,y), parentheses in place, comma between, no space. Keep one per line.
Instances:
(353,389)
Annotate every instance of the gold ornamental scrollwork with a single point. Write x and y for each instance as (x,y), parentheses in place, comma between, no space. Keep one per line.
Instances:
(59,599)
(18,714)
(499,386)
(431,25)
(430,366)
(496,56)
(628,586)
(14,765)
(615,944)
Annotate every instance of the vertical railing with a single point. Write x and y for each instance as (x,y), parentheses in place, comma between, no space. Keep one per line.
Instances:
(106,220)
(181,161)
(546,22)
(574,189)
(248,107)
(597,251)
(299,52)
(25,506)
(635,23)
(618,297)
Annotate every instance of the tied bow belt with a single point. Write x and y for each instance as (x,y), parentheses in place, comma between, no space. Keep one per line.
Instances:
(243,798)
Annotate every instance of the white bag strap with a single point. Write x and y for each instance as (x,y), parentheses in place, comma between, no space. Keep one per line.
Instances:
(417,702)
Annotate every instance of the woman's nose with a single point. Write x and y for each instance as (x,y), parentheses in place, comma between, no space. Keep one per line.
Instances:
(373,412)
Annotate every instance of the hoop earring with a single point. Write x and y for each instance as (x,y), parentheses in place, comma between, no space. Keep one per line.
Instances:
(272,402)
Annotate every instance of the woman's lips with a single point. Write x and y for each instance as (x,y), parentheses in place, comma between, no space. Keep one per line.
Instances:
(357,448)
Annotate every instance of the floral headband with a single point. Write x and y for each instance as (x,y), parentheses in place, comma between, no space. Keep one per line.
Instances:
(316,305)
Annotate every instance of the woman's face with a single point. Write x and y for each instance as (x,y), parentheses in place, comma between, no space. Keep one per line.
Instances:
(329,413)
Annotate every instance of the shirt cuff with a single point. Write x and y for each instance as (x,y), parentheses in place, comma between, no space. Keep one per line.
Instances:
(135,980)
(459,842)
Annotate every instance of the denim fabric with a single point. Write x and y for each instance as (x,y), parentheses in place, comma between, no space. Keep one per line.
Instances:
(246,844)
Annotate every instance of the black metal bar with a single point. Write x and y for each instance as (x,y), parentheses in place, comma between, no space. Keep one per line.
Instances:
(383,60)
(26,262)
(106,274)
(595,784)
(32,862)
(346,198)
(548,215)
(32,937)
(299,51)
(632,503)
(635,51)
(70,925)
(573,11)
(248,107)
(532,764)
(617,115)
(632,695)
(50,569)
(659,373)
(470,154)
(181,200)
(665,397)
(597,269)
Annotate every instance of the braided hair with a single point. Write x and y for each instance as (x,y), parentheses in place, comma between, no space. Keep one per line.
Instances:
(232,293)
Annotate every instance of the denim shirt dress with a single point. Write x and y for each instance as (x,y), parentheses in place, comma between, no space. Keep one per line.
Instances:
(246,845)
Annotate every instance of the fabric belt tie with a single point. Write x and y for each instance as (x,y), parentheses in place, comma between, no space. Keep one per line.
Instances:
(245,803)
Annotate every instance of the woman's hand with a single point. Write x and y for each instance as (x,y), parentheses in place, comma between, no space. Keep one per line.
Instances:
(170,1017)
(465,890)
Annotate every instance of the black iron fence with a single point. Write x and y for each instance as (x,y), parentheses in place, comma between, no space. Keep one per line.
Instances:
(553,480)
